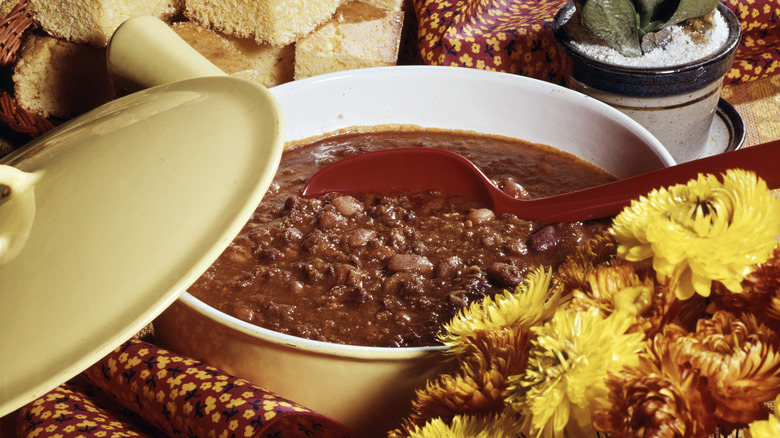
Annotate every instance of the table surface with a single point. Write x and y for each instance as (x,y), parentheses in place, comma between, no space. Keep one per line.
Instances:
(759,104)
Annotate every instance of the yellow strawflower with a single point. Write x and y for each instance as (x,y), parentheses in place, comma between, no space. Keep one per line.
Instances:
(569,361)
(469,426)
(531,303)
(700,232)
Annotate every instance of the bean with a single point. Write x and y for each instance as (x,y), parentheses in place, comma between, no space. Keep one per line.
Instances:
(479,216)
(545,238)
(512,188)
(448,268)
(347,205)
(331,219)
(410,262)
(504,274)
(359,237)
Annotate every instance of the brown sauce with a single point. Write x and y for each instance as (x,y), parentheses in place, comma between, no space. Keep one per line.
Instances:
(390,269)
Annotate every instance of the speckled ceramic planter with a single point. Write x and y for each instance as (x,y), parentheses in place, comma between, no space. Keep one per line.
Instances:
(676,104)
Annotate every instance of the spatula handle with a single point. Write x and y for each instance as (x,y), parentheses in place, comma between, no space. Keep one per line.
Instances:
(144,51)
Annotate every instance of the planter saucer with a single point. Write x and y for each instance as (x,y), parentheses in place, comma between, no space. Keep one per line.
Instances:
(727,132)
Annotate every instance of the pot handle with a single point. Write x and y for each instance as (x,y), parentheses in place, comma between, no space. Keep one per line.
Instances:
(17,210)
(144,51)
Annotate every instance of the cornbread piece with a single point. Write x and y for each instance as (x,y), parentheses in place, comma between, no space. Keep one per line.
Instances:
(359,35)
(275,22)
(389,5)
(94,21)
(271,65)
(58,78)
(240,57)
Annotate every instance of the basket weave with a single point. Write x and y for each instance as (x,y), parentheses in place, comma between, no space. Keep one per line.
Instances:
(12,28)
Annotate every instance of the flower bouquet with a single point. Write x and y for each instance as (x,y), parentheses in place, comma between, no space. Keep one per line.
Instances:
(667,325)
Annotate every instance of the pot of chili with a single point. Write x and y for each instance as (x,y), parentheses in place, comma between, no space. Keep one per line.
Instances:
(335,302)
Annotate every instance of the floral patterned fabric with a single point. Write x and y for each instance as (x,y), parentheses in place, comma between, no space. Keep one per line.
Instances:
(758,55)
(141,390)
(502,35)
(515,36)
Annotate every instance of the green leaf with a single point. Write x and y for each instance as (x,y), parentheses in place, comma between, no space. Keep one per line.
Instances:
(686,9)
(647,9)
(614,21)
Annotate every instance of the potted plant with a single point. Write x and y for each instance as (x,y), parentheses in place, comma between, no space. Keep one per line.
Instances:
(662,62)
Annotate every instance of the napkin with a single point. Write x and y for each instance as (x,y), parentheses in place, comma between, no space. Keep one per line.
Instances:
(141,390)
(515,36)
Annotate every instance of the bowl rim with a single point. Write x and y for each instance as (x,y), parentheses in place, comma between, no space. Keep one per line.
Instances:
(298,343)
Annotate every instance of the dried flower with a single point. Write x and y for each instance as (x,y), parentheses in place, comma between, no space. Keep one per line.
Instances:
(531,303)
(603,283)
(478,386)
(599,251)
(762,293)
(741,362)
(659,397)
(567,368)
(665,326)
(618,287)
(494,426)
(697,233)
(769,428)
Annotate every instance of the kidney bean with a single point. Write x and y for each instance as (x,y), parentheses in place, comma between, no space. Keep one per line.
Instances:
(505,274)
(545,238)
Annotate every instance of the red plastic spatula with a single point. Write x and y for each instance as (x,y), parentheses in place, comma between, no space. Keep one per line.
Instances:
(422,169)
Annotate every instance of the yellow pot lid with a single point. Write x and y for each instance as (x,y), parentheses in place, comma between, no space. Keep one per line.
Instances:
(114,214)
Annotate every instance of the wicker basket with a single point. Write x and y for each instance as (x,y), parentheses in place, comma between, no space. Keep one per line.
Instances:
(12,28)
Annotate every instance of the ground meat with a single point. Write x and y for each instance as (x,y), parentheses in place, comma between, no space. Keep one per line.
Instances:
(389,269)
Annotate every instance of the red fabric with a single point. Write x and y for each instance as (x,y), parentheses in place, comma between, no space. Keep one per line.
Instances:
(758,55)
(502,35)
(515,36)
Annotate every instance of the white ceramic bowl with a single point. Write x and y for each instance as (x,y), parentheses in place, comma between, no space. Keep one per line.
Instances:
(369,389)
